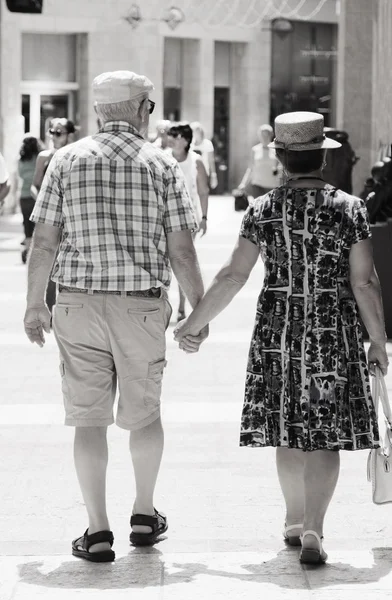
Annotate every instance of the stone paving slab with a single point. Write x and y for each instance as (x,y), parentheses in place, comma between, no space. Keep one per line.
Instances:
(154,574)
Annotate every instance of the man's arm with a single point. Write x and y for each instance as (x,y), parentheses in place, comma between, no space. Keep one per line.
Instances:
(203,191)
(38,175)
(45,243)
(37,318)
(185,265)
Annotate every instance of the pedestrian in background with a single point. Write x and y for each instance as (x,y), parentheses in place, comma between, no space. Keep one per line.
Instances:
(307,384)
(263,171)
(205,148)
(162,140)
(118,236)
(191,164)
(4,183)
(61,133)
(26,168)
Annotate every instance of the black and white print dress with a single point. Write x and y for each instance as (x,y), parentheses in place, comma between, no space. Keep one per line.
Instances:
(307,381)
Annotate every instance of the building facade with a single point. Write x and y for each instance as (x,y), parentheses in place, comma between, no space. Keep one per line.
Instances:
(217,66)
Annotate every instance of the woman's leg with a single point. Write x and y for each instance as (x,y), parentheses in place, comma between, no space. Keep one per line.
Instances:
(321,474)
(291,465)
(27,205)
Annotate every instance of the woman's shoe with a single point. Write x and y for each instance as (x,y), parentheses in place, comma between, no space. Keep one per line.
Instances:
(292,540)
(312,556)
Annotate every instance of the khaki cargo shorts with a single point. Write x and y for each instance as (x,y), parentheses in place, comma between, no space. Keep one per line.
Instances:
(106,341)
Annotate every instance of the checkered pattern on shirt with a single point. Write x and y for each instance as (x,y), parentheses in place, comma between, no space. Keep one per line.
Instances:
(115,197)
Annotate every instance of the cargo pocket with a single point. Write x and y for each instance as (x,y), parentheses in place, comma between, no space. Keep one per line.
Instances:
(64,385)
(154,382)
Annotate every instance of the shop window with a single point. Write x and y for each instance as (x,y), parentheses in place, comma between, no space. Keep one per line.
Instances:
(303,69)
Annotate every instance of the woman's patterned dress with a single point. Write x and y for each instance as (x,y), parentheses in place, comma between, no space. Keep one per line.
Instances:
(307,382)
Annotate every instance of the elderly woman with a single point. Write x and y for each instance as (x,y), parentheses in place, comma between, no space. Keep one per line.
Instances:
(307,383)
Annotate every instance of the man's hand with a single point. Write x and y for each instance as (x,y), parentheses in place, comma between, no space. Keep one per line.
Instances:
(189,339)
(36,321)
(203,227)
(377,356)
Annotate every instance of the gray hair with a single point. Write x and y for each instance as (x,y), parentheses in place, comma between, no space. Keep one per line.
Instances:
(119,111)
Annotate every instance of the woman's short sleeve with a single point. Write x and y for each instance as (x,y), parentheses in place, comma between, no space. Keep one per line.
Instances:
(360,222)
(248,228)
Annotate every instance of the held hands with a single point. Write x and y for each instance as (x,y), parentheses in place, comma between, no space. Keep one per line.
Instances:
(190,340)
(36,321)
(377,356)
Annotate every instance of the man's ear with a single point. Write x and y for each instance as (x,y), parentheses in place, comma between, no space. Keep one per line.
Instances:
(143,109)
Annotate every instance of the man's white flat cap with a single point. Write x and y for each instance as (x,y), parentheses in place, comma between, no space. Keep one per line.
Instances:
(120,86)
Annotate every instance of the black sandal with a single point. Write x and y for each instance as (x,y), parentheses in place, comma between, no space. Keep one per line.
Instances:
(82,545)
(158,525)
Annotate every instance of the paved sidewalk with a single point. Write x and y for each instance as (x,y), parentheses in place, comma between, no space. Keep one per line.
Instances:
(223,502)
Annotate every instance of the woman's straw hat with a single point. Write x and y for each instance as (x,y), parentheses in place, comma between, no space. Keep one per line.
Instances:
(300,131)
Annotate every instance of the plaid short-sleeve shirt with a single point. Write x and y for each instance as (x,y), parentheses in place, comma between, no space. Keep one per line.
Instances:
(115,197)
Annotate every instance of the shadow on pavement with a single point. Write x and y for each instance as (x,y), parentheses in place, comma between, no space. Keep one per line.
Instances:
(147,568)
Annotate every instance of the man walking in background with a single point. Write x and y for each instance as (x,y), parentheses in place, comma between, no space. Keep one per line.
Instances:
(120,210)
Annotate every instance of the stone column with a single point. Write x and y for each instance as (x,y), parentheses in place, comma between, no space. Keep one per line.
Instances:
(190,80)
(11,124)
(354,89)
(198,83)
(250,102)
(206,85)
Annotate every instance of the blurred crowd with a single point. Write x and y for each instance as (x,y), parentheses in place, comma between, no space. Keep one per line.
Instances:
(195,153)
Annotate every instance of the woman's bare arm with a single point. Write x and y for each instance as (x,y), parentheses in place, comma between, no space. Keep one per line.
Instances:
(367,292)
(226,284)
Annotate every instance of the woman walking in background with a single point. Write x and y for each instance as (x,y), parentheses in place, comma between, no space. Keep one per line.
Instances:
(180,140)
(205,148)
(307,385)
(26,167)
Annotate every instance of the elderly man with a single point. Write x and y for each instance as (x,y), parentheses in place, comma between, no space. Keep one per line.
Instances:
(119,210)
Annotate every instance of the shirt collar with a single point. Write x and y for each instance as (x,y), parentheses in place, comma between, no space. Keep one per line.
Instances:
(120,126)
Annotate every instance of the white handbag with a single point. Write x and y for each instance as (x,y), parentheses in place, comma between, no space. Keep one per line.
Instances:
(379,466)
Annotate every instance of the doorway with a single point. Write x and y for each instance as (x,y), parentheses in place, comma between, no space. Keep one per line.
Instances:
(221,137)
(39,107)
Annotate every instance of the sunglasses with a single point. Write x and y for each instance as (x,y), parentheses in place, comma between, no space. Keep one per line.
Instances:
(152,106)
(174,135)
(57,132)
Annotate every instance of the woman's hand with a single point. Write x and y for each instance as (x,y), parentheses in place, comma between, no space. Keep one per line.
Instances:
(377,356)
(188,338)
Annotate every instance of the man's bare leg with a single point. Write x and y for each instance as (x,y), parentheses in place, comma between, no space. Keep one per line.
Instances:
(146,447)
(91,460)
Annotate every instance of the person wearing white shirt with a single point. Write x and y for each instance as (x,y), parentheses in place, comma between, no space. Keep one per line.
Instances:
(262,175)
(4,184)
(201,145)
(191,164)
